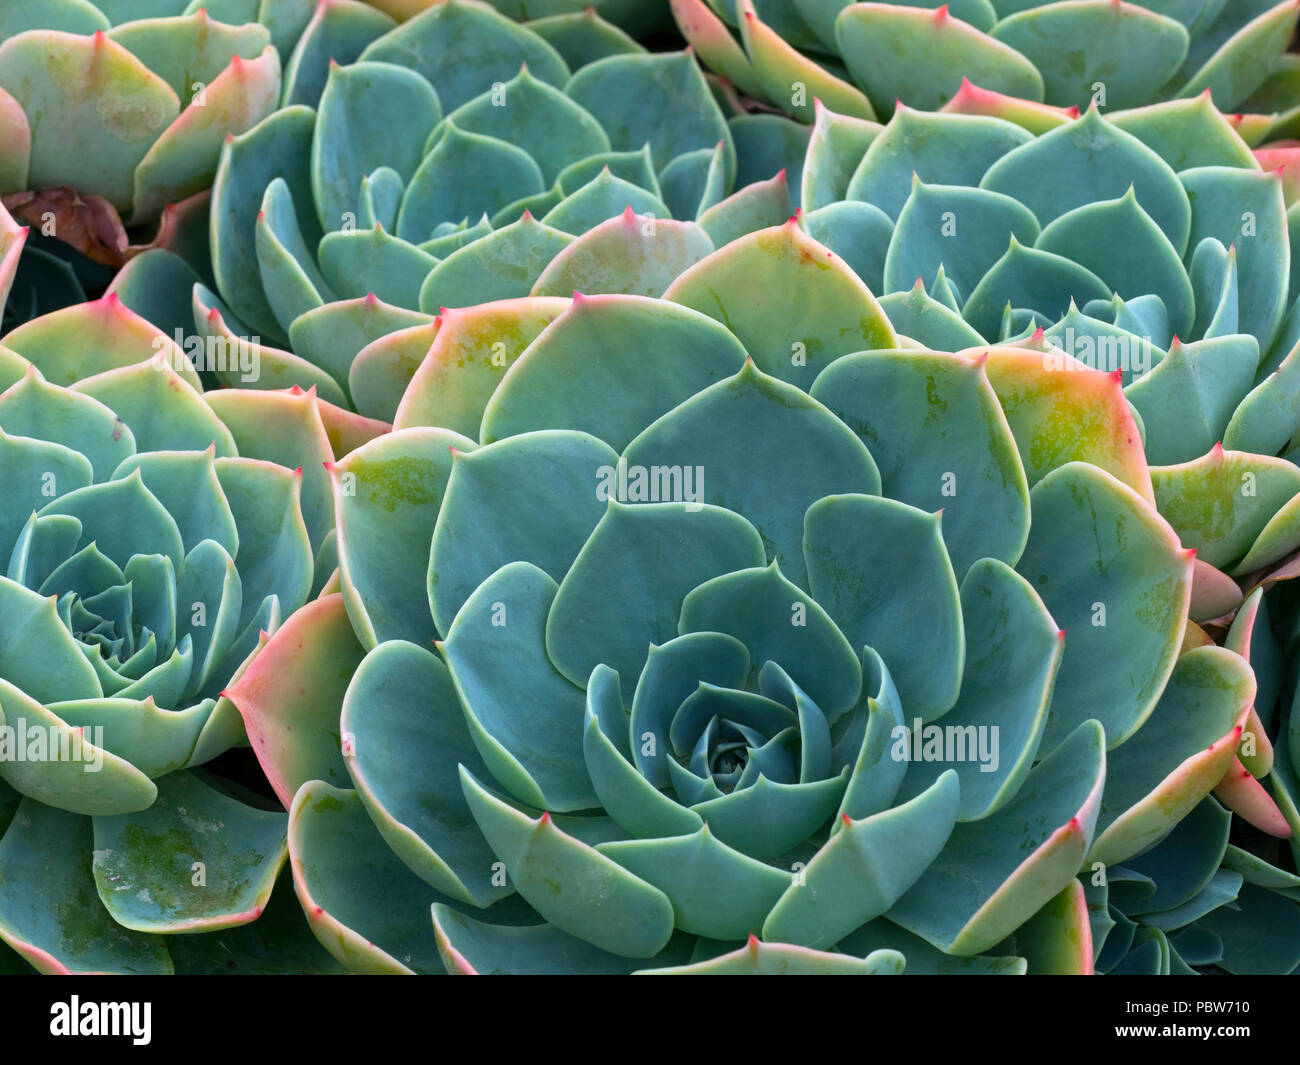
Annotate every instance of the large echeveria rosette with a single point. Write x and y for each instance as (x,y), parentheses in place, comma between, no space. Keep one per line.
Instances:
(651,729)
(861,58)
(154,538)
(521,148)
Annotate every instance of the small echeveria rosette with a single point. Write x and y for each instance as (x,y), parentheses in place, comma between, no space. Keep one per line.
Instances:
(535,160)
(154,537)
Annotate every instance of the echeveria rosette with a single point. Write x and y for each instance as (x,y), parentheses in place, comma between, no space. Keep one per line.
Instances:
(155,537)
(530,163)
(116,114)
(1161,250)
(860,58)
(656,735)
(1166,258)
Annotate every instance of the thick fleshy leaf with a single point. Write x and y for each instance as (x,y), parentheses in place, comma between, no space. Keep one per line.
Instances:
(922,958)
(1259,934)
(964,230)
(43,861)
(629,798)
(60,767)
(472,351)
(530,498)
(39,411)
(1186,133)
(1238,67)
(1057,940)
(790,79)
(859,233)
(597,898)
(382,369)
(505,264)
(164,411)
(580,374)
(662,100)
(1182,751)
(1013,652)
(961,458)
(292,693)
(278,943)
(332,335)
(275,556)
(1186,402)
(55,343)
(1102,39)
(589,627)
(673,671)
(767,450)
(1113,575)
(1088,235)
(359,262)
(391,490)
(195,861)
(996,871)
(793,303)
(627,254)
(461,47)
(709,36)
(779,959)
(1093,160)
(1184,862)
(277,147)
(849,881)
(536,117)
(60,79)
(463,176)
(366,908)
(909,53)
(1060,411)
(538,758)
(468,946)
(1245,210)
(778,623)
(1220,503)
(184,159)
(404,736)
(715,891)
(870,560)
(835,148)
(352,137)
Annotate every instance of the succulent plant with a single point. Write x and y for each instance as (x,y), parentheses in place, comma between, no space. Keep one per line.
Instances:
(112,116)
(523,148)
(710,581)
(637,531)
(153,538)
(861,58)
(1164,252)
